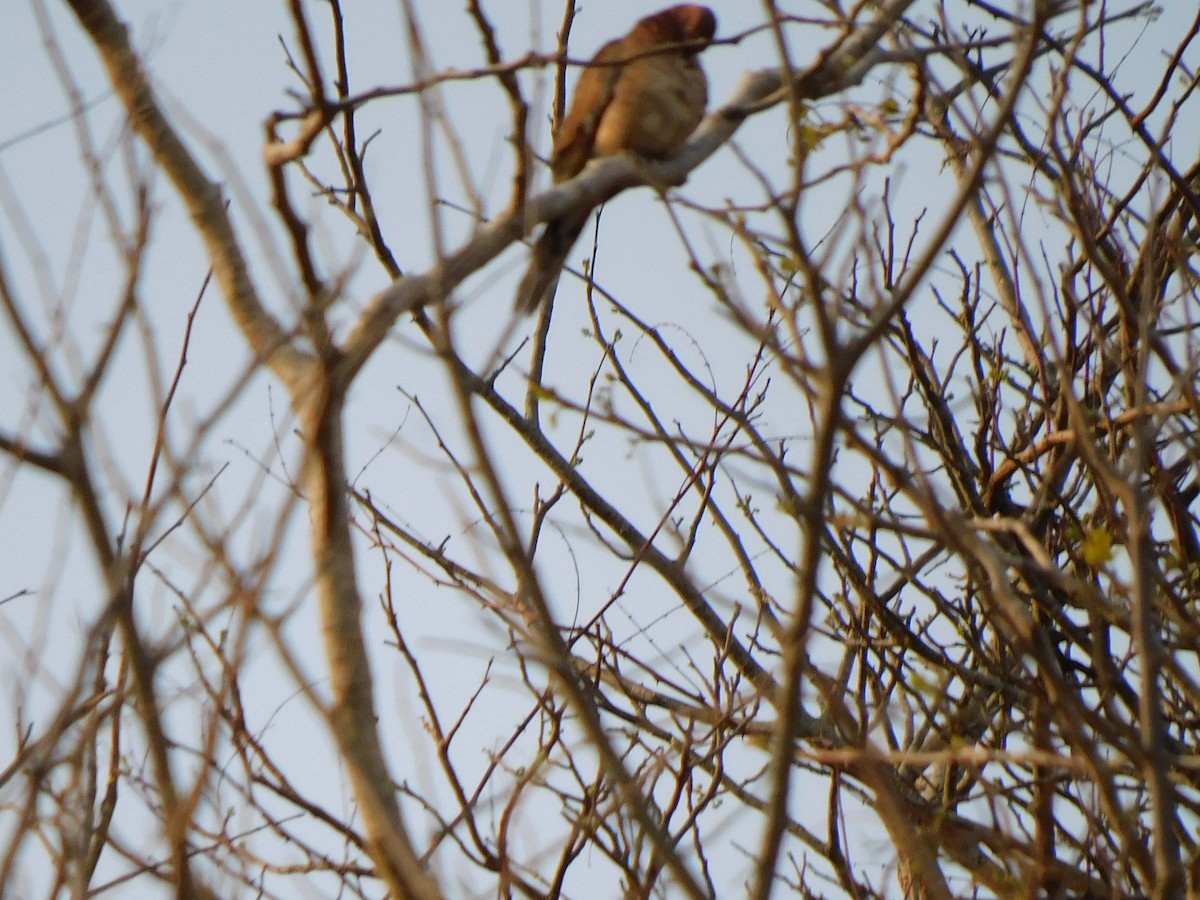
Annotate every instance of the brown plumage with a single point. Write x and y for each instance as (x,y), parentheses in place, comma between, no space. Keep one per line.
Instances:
(647,105)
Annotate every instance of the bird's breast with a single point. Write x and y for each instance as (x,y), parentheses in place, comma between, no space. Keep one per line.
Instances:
(657,103)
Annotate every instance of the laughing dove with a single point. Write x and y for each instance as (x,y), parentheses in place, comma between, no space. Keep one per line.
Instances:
(633,98)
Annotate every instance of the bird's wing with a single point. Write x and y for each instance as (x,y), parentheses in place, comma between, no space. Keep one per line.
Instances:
(576,135)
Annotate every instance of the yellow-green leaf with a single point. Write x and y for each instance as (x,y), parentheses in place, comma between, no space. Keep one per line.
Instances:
(1097,547)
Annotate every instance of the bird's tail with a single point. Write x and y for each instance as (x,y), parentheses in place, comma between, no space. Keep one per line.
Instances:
(549,256)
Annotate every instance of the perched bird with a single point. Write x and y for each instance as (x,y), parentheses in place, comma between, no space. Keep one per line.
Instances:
(645,94)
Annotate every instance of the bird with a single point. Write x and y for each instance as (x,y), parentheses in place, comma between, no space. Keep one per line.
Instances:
(644,94)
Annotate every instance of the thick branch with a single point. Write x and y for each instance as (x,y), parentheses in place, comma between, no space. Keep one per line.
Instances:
(202,197)
(841,68)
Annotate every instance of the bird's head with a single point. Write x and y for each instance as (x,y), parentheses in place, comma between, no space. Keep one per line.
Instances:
(682,24)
